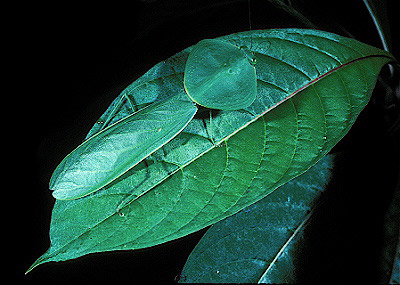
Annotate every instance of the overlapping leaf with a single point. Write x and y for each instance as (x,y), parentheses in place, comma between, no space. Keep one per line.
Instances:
(261,243)
(311,87)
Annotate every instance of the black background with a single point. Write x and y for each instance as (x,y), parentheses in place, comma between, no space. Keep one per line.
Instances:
(77,59)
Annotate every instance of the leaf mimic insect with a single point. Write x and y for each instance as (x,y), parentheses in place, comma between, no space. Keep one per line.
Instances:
(218,75)
(113,151)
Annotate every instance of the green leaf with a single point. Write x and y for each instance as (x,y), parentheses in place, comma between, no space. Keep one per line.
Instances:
(261,242)
(311,87)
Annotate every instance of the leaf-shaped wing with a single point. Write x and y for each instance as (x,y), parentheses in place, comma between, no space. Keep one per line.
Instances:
(113,151)
(219,75)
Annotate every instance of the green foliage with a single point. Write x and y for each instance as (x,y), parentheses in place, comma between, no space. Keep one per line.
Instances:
(307,99)
(261,243)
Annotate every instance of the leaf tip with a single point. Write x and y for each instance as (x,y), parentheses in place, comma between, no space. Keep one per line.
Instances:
(36,263)
(42,259)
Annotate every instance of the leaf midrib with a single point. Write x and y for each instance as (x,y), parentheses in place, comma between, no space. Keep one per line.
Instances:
(286,244)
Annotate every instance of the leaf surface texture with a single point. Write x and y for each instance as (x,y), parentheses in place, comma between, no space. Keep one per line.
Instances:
(311,87)
(263,242)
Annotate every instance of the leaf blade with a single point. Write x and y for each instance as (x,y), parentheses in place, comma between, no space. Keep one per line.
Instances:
(182,192)
(246,247)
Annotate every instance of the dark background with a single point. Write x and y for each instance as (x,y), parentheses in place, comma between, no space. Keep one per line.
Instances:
(79,58)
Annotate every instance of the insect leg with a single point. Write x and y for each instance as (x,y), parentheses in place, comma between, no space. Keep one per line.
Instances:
(134,196)
(113,112)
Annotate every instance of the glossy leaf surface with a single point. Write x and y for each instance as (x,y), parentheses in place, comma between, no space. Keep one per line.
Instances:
(260,244)
(311,87)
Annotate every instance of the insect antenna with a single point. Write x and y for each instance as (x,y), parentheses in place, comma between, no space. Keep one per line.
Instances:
(249,10)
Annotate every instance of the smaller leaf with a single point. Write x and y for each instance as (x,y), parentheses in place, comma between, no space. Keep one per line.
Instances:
(259,243)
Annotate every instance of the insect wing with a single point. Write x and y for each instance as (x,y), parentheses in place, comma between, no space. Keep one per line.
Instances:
(110,153)
(219,75)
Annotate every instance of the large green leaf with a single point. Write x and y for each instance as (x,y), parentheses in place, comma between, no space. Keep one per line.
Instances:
(311,87)
(261,243)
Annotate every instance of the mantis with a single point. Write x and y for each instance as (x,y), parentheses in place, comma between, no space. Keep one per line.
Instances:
(218,75)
